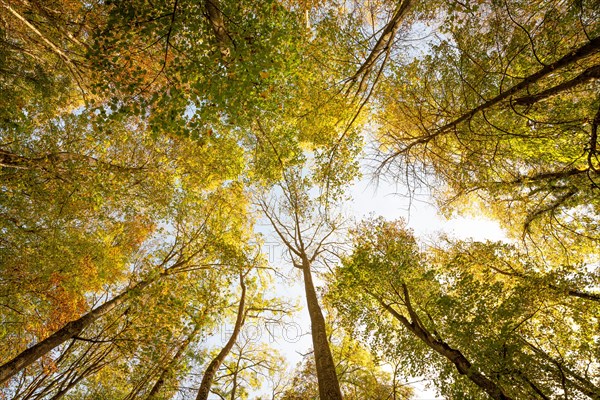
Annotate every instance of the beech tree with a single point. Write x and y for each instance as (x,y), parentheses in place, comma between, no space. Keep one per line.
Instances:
(301,210)
(502,109)
(482,324)
(305,230)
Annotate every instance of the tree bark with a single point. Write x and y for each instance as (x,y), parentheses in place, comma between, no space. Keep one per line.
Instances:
(383,43)
(329,387)
(585,76)
(214,365)
(215,17)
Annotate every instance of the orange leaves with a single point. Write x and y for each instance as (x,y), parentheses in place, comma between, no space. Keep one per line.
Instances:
(58,305)
(65,305)
(137,230)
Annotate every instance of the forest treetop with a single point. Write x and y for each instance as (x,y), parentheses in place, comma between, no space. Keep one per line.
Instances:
(140,140)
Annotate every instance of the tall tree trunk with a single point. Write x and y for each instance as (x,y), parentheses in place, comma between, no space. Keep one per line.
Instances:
(213,367)
(69,331)
(215,17)
(329,387)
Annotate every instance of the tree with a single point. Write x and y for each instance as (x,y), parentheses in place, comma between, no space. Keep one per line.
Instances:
(83,210)
(311,158)
(42,46)
(505,115)
(213,366)
(306,240)
(184,255)
(483,325)
(224,375)
(305,225)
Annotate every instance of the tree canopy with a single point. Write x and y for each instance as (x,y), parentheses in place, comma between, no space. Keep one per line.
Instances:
(142,140)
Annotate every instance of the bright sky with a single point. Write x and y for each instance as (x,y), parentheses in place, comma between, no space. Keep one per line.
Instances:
(390,201)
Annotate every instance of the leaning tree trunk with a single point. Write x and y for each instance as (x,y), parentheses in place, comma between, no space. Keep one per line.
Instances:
(213,367)
(69,331)
(462,364)
(329,387)
(591,47)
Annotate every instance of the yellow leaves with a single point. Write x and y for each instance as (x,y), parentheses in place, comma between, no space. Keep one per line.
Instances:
(303,5)
(137,230)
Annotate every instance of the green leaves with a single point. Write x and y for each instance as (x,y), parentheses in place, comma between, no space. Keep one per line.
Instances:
(136,137)
(487,303)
